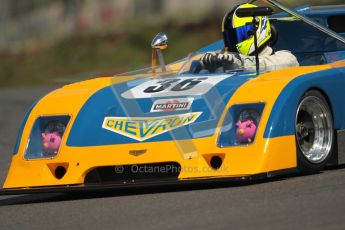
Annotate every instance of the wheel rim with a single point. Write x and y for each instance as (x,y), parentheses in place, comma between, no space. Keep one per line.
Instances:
(314,129)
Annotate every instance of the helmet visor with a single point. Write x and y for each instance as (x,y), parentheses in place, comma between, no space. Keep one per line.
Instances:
(237,35)
(244,32)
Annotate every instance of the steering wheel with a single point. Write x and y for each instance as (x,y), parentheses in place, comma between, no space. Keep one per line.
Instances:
(197,68)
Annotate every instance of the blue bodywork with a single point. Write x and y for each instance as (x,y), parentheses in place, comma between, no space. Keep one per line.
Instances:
(22,126)
(320,14)
(108,102)
(330,82)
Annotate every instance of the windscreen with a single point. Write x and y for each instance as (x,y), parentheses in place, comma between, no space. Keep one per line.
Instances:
(306,42)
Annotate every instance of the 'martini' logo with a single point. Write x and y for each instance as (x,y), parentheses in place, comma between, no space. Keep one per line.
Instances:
(142,129)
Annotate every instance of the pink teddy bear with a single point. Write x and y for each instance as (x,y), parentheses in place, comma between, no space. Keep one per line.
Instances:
(51,143)
(245,131)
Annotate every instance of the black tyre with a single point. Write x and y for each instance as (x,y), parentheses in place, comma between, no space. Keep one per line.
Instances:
(314,132)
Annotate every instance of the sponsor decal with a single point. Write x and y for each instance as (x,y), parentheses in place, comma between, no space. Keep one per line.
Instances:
(141,129)
(170,105)
(174,87)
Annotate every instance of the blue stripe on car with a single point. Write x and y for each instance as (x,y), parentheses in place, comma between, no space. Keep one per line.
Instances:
(20,132)
(87,129)
(331,82)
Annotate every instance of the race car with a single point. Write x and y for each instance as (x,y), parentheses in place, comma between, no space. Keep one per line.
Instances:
(181,123)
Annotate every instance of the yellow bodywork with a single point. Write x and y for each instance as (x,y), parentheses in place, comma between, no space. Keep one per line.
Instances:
(264,155)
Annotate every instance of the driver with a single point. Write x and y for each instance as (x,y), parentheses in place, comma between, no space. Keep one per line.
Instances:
(240,48)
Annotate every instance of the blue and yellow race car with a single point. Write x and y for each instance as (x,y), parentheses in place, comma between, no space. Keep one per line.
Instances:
(182,123)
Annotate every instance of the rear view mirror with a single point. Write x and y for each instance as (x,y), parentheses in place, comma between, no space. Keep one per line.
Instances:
(158,44)
(160,41)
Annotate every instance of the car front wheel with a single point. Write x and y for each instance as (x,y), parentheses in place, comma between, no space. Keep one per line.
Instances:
(314,132)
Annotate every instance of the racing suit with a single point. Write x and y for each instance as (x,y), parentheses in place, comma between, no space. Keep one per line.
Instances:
(268,60)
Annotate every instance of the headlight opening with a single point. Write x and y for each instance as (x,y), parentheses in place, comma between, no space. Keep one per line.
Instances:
(240,125)
(46,137)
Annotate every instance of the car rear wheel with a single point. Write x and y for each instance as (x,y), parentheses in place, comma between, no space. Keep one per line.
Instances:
(314,132)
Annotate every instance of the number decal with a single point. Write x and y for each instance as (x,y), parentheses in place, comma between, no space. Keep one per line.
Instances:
(162,86)
(187,84)
(174,87)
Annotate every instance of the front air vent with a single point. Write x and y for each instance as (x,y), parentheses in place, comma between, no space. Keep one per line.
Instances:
(216,162)
(119,174)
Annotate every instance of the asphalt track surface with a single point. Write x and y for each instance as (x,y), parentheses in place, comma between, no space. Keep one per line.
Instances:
(291,202)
